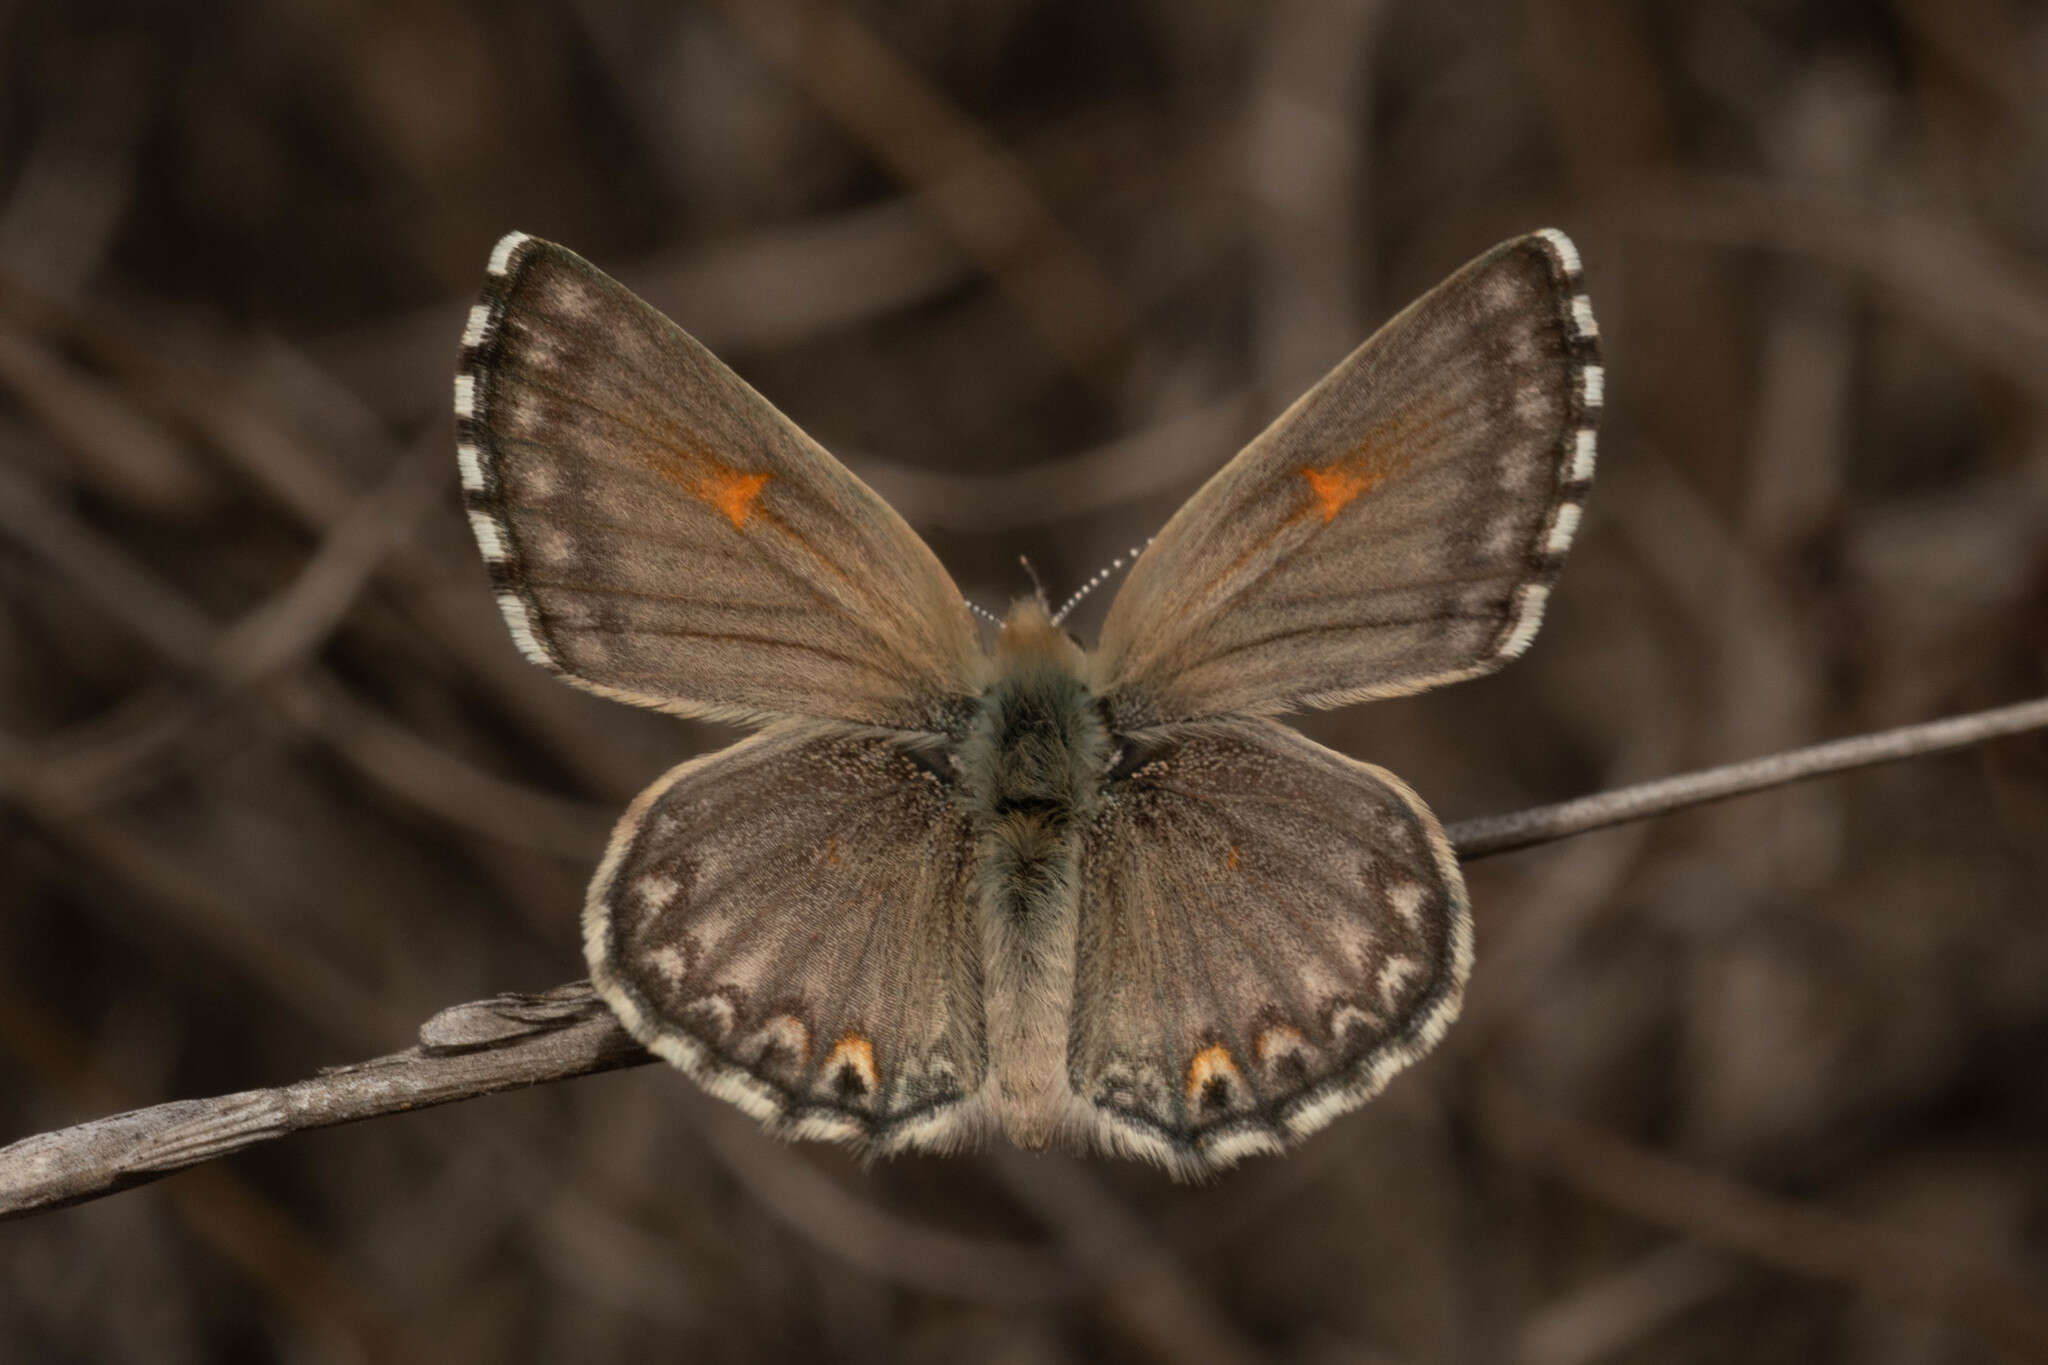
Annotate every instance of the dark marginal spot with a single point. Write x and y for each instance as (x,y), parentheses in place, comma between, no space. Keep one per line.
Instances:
(1293,1068)
(1215,1095)
(848,1084)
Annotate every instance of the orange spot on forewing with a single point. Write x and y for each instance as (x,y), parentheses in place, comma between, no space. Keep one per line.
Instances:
(1337,486)
(1384,452)
(731,491)
(1233,860)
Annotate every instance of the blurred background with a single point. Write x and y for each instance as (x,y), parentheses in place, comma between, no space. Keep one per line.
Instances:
(1760,1082)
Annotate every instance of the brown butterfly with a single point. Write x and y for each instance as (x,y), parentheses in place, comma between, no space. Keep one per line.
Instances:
(958,888)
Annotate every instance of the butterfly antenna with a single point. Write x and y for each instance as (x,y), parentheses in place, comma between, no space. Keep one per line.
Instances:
(983,612)
(1102,576)
(1037,586)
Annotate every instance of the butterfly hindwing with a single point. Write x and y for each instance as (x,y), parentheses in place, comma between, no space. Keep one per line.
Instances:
(659,533)
(788,921)
(1269,931)
(1397,528)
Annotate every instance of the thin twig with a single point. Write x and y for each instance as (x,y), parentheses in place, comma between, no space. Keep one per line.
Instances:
(467,1051)
(519,1040)
(219,1208)
(1542,824)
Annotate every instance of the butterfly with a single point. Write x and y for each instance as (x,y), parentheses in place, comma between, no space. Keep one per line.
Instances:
(954,887)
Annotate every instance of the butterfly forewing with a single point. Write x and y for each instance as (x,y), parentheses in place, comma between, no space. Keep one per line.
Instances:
(1269,931)
(1395,529)
(788,921)
(658,532)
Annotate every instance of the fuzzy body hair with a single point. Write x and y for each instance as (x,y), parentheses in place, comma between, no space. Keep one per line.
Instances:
(1031,766)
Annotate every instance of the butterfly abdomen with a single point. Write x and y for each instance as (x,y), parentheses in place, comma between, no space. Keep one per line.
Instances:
(1031,765)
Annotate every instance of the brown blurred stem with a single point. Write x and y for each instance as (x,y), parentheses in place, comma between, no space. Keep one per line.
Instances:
(1541,824)
(520,1040)
(465,1051)
(972,185)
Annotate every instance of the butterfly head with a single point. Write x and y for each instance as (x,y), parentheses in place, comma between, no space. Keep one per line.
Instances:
(1029,634)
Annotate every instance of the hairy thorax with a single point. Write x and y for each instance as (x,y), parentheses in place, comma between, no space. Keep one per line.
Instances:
(1031,766)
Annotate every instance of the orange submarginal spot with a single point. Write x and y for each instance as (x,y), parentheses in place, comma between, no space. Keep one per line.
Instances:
(731,491)
(785,1033)
(1211,1063)
(855,1052)
(832,852)
(1277,1039)
(1232,861)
